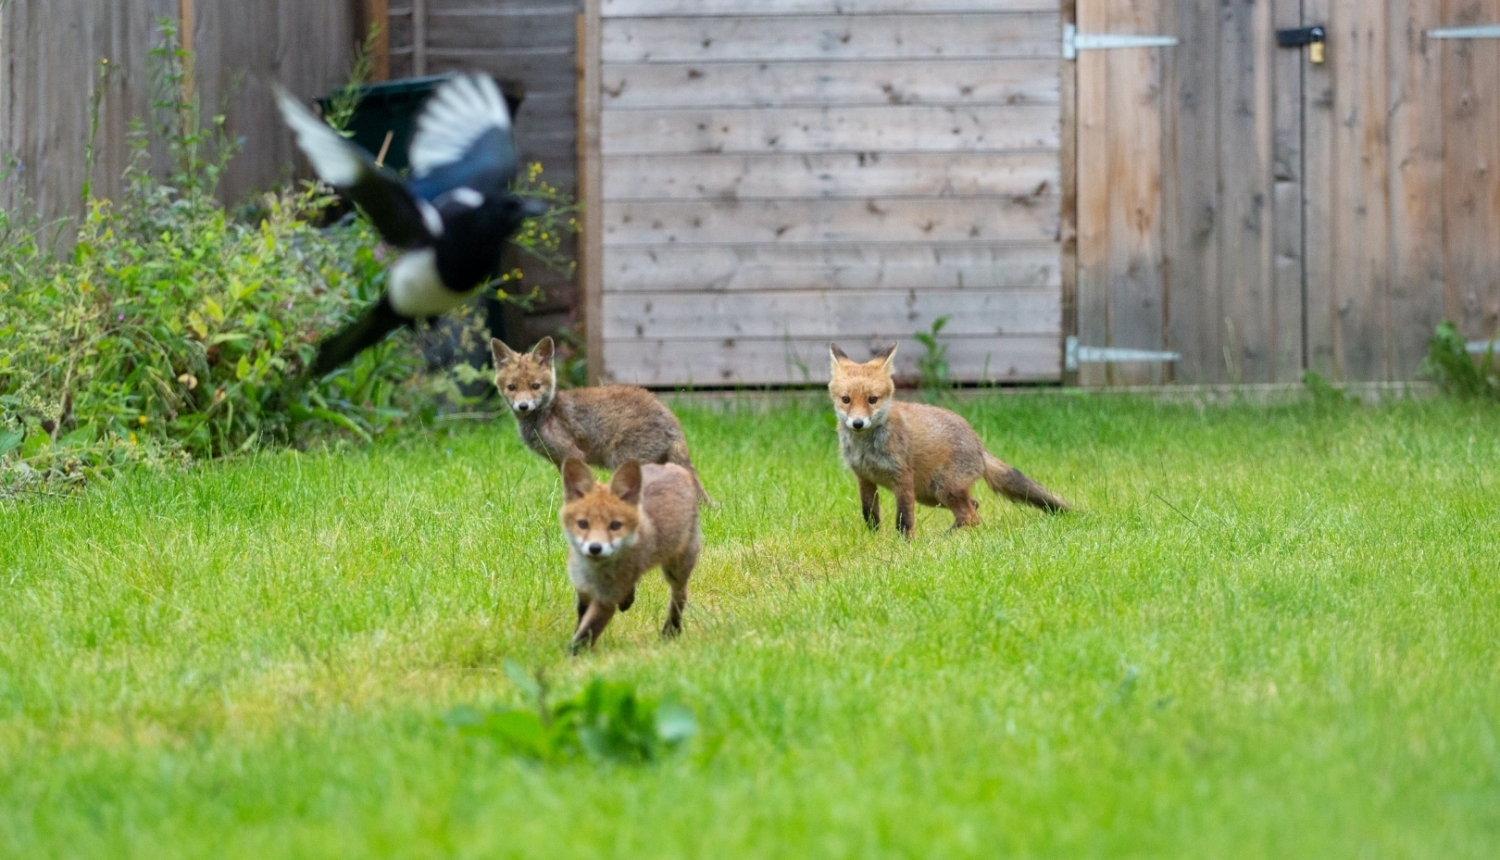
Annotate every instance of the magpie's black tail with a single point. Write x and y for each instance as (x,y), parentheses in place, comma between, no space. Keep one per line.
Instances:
(349,341)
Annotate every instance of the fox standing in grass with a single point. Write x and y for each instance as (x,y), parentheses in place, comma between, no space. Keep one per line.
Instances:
(920,453)
(603,426)
(646,516)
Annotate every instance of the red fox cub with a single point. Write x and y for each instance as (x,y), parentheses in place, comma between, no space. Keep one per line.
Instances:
(647,516)
(604,426)
(920,453)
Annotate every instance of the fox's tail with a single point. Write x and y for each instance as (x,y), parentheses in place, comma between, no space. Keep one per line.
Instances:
(1010,483)
(678,453)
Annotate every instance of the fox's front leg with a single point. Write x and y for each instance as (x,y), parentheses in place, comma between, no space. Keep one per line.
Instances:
(906,505)
(869,503)
(558,446)
(595,618)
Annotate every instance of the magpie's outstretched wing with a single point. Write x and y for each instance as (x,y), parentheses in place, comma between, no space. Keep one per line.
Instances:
(463,139)
(402,219)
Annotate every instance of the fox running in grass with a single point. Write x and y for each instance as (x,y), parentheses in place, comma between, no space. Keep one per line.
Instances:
(604,426)
(646,516)
(920,453)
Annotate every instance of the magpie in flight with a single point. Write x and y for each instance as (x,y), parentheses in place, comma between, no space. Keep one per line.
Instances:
(450,220)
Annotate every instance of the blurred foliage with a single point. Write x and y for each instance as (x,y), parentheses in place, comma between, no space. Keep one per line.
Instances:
(606,723)
(1455,369)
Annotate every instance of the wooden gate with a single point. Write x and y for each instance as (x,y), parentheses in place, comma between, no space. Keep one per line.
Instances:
(760,179)
(1259,213)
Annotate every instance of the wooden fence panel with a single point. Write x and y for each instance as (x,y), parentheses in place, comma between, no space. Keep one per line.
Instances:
(530,41)
(818,171)
(50,52)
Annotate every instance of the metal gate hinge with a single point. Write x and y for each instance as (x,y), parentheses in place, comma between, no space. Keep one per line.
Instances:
(1485,31)
(1074,41)
(1074,355)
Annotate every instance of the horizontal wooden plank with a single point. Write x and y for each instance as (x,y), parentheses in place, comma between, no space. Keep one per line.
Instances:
(883,266)
(787,175)
(790,361)
(998,219)
(539,75)
(509,10)
(638,8)
(762,38)
(865,82)
(897,128)
(543,29)
(830,314)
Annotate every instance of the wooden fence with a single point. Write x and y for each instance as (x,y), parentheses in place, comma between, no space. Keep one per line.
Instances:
(764,178)
(531,41)
(50,62)
(1262,213)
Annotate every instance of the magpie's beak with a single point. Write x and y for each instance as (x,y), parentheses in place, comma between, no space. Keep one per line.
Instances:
(533,208)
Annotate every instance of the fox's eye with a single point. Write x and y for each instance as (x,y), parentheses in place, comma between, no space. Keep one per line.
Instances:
(614,526)
(583,524)
(535,386)
(510,387)
(845,398)
(874,400)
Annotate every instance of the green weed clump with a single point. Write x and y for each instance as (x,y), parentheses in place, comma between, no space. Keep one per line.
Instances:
(1455,370)
(605,723)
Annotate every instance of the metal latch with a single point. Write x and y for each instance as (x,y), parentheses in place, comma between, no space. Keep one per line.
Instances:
(1313,38)
(1074,355)
(1074,41)
(1484,31)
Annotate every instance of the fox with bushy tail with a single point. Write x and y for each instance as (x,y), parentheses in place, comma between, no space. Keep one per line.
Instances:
(920,453)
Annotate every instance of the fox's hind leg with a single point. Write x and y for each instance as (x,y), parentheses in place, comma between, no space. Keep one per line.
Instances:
(677,570)
(965,509)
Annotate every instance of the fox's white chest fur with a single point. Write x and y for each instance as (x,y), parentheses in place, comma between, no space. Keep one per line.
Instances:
(867,453)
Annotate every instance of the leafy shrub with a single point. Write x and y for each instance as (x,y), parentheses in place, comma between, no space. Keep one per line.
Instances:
(174,331)
(1451,365)
(605,723)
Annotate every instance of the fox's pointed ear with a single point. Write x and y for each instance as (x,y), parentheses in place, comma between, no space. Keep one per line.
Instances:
(626,484)
(543,350)
(501,352)
(836,356)
(886,357)
(578,481)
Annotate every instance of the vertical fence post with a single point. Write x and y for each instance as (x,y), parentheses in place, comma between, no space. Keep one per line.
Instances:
(591,248)
(419,37)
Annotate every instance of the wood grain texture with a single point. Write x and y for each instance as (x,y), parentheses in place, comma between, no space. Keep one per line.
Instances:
(738,361)
(1416,156)
(865,82)
(854,268)
(817,313)
(981,220)
(1471,177)
(1093,131)
(770,38)
(1319,156)
(592,261)
(792,8)
(830,129)
(1284,352)
(1134,161)
(865,174)
(1246,331)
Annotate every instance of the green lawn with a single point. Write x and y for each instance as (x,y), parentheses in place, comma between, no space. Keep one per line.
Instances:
(1269,632)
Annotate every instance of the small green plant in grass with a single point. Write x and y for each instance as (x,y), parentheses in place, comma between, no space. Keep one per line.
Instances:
(1450,364)
(932,365)
(606,723)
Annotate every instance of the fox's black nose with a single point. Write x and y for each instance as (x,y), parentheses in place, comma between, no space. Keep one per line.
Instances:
(858,423)
(596,548)
(523,407)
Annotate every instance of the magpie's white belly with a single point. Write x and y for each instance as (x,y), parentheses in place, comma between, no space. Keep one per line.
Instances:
(415,289)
